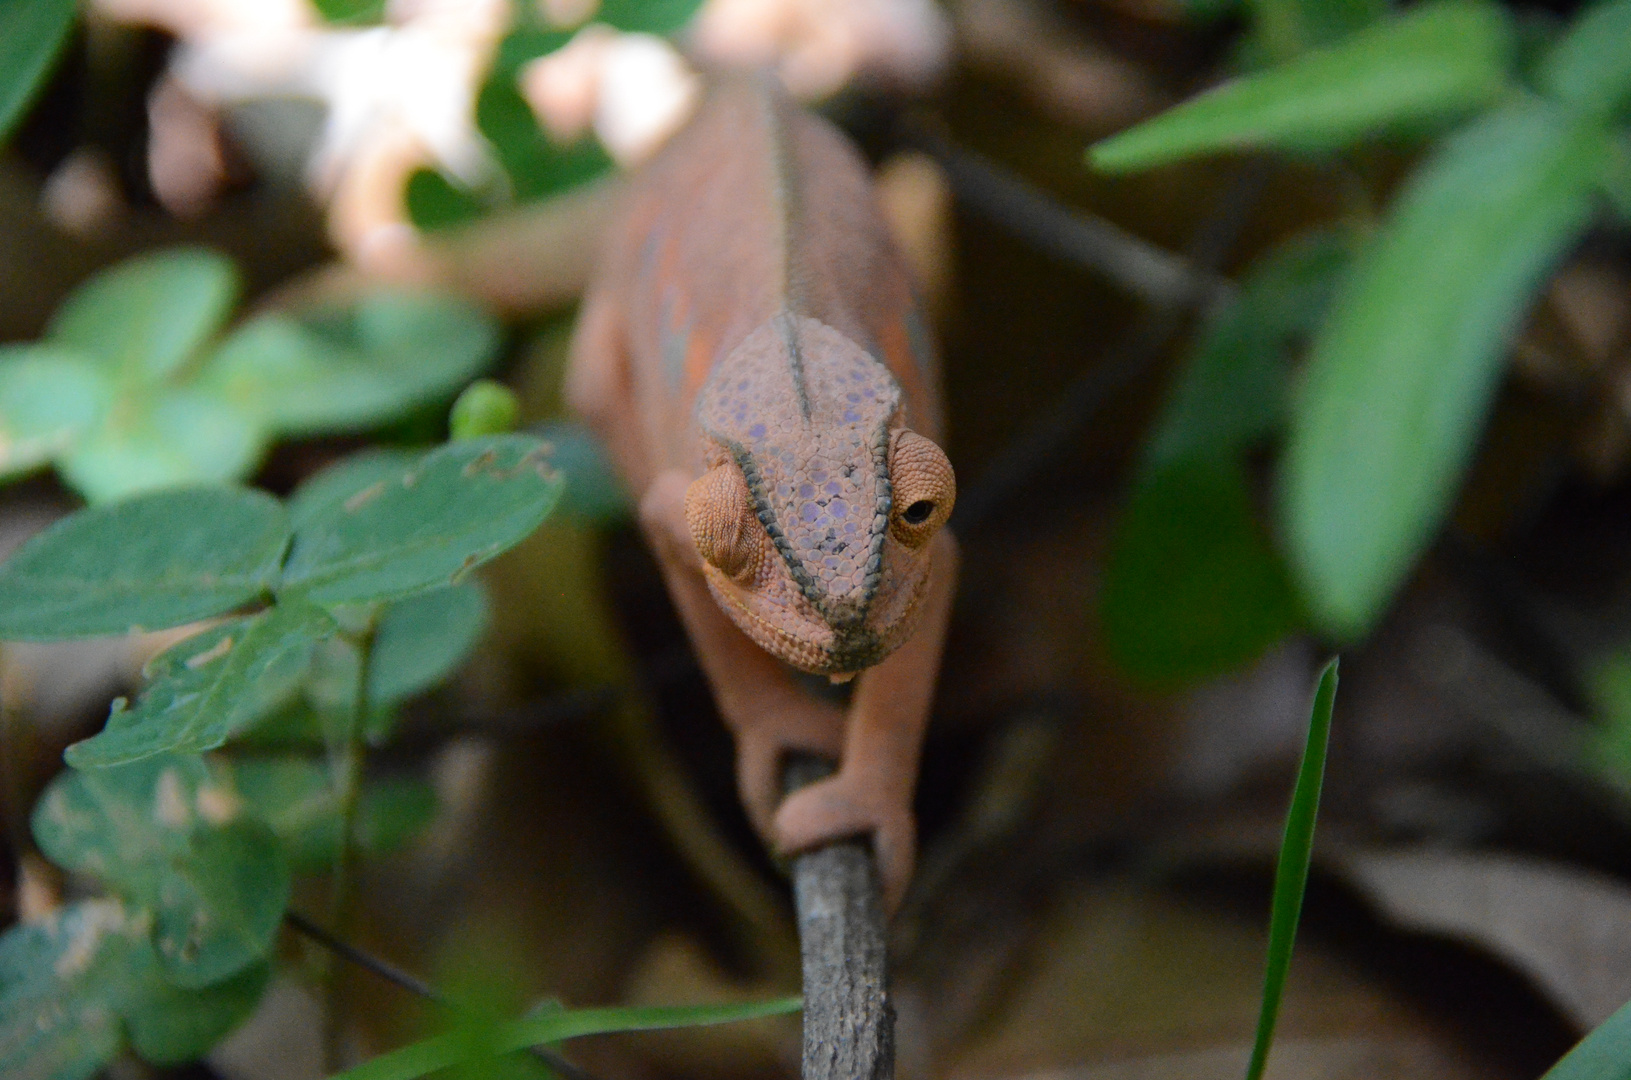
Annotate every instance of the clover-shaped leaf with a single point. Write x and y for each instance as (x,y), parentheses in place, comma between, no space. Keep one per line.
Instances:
(48,396)
(421,640)
(63,983)
(170,1024)
(168,833)
(349,369)
(74,985)
(146,317)
(164,438)
(211,687)
(295,796)
(423,527)
(152,561)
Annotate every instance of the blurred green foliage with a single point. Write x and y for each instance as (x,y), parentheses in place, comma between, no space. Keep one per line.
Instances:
(32,33)
(1403,324)
(134,387)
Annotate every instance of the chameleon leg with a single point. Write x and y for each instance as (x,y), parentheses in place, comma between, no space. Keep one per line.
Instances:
(767,712)
(872,790)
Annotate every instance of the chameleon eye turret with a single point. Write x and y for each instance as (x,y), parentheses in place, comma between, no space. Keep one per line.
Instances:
(924,488)
(719,511)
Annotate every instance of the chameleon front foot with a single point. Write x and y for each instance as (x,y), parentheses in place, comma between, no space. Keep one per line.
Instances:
(851,804)
(763,749)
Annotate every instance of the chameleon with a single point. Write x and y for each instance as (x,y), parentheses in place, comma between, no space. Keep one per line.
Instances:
(751,351)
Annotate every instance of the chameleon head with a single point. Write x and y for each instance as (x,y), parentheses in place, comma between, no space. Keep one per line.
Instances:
(815,515)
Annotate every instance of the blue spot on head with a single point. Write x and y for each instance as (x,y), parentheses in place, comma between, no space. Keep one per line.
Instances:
(851,416)
(757,431)
(809,512)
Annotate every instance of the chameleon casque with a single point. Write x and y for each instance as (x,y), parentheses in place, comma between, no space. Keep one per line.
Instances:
(752,352)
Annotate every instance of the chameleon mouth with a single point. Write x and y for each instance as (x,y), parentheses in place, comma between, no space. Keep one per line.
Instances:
(844,653)
(845,650)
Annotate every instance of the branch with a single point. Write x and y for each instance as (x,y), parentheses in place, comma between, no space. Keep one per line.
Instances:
(1156,276)
(849,1023)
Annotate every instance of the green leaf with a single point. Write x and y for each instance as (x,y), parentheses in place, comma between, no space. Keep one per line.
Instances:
(1207,12)
(537,166)
(32,33)
(324,493)
(439,1052)
(209,688)
(149,562)
(351,12)
(1402,372)
(436,202)
(64,983)
(1232,390)
(294,795)
(422,640)
(168,833)
(1608,683)
(647,16)
(48,397)
(1192,588)
(1291,870)
(169,1025)
(351,370)
(594,492)
(174,436)
(1286,28)
(458,507)
(147,316)
(1601,1055)
(392,811)
(1589,69)
(1443,60)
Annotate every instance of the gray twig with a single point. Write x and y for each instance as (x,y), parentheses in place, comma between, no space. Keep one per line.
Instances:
(1156,276)
(1056,428)
(849,1023)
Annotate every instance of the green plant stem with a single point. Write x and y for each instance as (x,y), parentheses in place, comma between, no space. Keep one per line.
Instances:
(346,753)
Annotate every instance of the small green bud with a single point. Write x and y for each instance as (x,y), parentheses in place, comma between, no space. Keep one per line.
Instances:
(485,408)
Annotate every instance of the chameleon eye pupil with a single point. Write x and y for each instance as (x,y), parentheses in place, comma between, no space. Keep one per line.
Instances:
(918,512)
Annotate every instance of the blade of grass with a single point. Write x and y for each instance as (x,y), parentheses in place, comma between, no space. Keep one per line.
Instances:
(440,1051)
(1291,872)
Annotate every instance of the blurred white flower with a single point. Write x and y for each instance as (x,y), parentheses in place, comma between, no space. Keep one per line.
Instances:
(634,90)
(816,46)
(401,96)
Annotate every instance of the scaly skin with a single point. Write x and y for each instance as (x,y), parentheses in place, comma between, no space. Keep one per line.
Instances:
(752,353)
